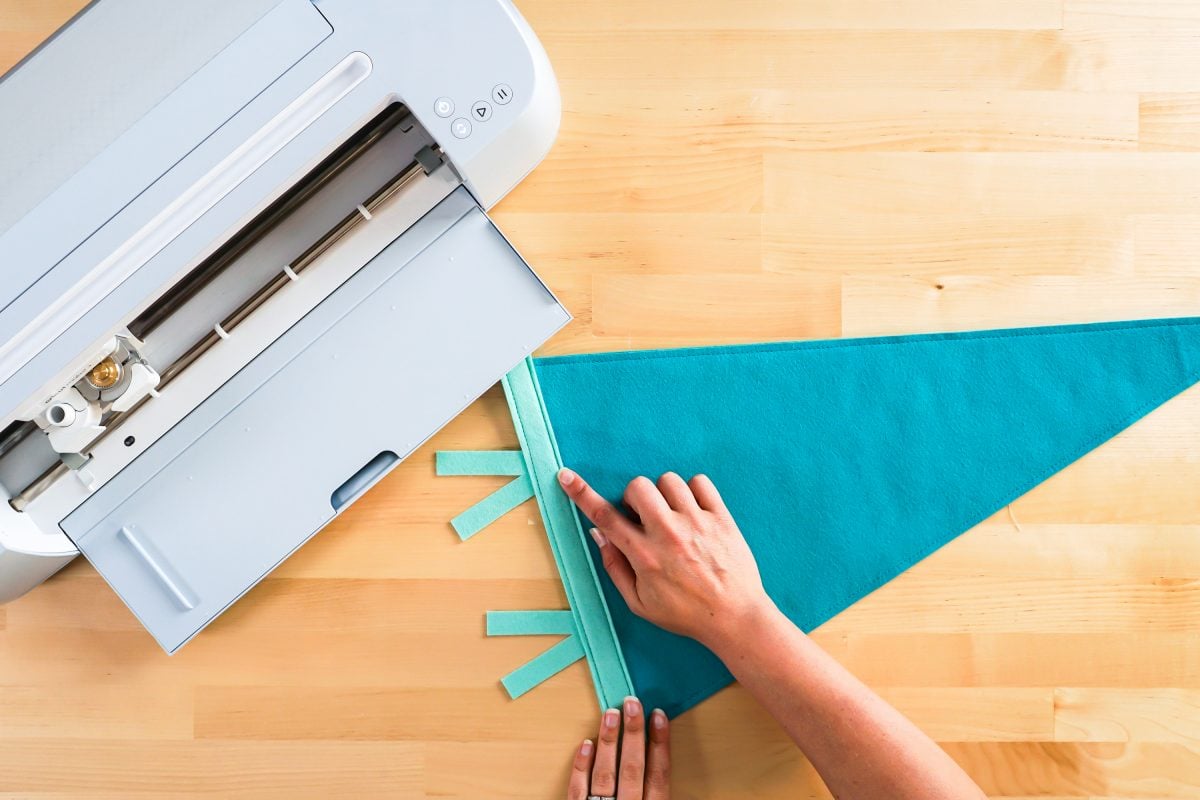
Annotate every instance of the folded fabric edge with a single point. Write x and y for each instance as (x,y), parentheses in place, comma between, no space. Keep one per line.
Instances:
(585,597)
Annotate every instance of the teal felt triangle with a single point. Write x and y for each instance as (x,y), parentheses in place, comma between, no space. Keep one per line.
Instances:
(845,462)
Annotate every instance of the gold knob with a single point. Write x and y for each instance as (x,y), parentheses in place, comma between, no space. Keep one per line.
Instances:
(105,374)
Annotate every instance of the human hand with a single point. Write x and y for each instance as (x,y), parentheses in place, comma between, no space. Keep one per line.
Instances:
(644,773)
(685,565)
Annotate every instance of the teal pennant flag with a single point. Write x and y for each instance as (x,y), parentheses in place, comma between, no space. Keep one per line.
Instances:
(845,462)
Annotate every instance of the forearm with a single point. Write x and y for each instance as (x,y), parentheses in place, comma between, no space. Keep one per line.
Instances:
(861,746)
(685,565)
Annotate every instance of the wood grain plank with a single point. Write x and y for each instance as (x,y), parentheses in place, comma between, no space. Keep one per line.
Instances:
(22,28)
(676,15)
(540,770)
(1169,121)
(917,603)
(583,243)
(231,769)
(1124,715)
(317,604)
(1005,184)
(100,713)
(236,656)
(994,714)
(1085,660)
(1132,60)
(1129,14)
(513,547)
(649,182)
(983,59)
(880,305)
(1004,546)
(664,116)
(290,713)
(1135,45)
(653,310)
(1167,244)
(914,244)
(1007,769)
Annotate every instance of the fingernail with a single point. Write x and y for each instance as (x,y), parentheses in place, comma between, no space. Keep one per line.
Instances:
(599,538)
(611,718)
(632,707)
(566,477)
(660,719)
(585,749)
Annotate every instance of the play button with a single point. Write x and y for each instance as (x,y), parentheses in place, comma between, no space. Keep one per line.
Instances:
(481,111)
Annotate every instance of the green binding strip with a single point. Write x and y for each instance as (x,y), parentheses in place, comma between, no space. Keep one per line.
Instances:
(480,462)
(492,507)
(542,462)
(548,664)
(512,623)
(537,623)
(530,623)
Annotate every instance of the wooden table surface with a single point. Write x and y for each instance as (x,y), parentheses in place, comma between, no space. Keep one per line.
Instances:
(734,172)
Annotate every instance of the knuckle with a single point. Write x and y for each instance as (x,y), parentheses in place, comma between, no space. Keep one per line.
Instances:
(659,778)
(678,527)
(604,776)
(639,486)
(631,773)
(603,516)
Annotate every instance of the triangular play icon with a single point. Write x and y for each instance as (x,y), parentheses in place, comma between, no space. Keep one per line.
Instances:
(845,462)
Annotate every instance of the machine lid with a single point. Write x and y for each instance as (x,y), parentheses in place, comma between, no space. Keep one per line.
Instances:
(73,97)
(88,134)
(314,420)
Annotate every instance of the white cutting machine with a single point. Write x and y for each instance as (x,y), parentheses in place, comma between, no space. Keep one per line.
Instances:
(244,270)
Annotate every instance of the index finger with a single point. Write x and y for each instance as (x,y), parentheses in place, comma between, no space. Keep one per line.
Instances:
(615,525)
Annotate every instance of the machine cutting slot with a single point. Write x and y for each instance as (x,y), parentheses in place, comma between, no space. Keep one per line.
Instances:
(272,251)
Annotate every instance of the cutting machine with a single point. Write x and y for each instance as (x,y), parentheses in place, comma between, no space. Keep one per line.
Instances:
(246,269)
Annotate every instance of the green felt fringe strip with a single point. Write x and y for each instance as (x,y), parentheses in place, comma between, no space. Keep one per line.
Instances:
(586,625)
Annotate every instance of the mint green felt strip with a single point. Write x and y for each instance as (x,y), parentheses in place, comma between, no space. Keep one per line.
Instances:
(530,623)
(542,462)
(548,664)
(492,507)
(480,462)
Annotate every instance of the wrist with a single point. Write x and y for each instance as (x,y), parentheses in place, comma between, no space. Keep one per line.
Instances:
(752,622)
